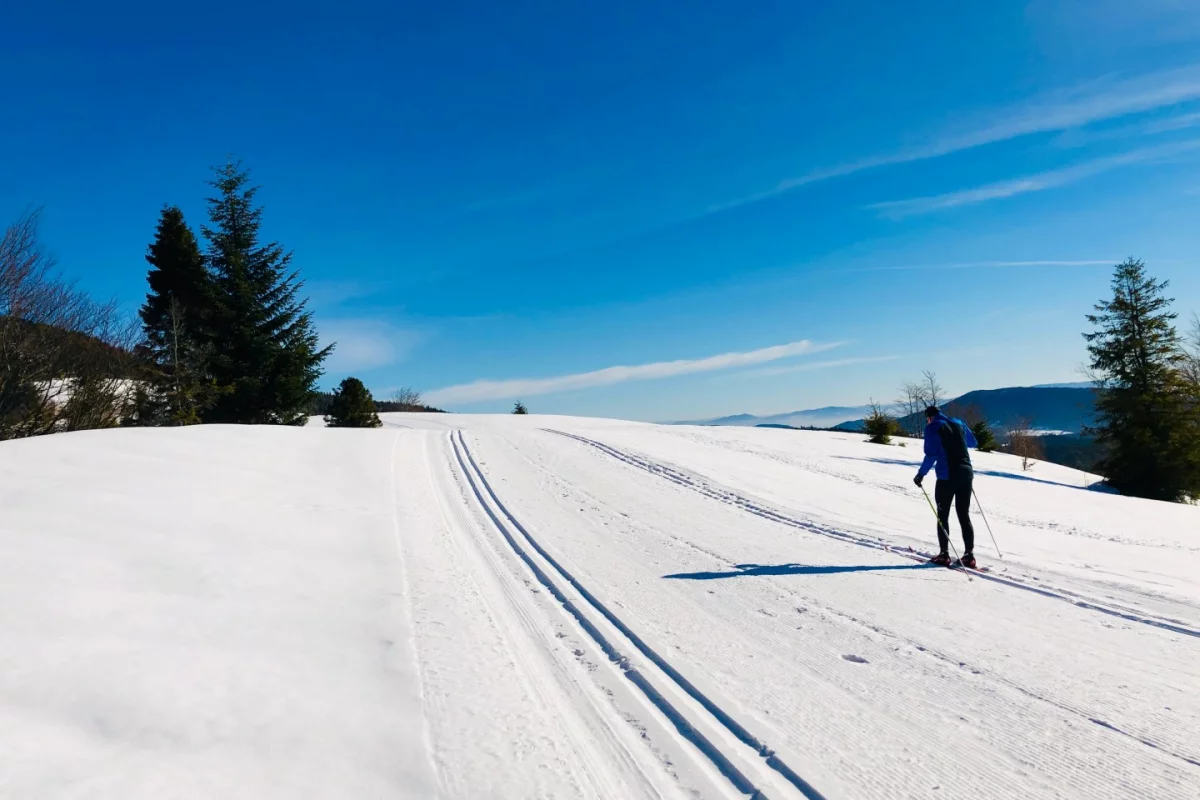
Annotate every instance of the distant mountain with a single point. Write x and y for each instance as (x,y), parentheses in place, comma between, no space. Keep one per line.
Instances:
(825,417)
(1075,385)
(735,419)
(1049,408)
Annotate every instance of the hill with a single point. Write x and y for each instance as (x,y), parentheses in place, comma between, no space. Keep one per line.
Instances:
(1050,408)
(552,607)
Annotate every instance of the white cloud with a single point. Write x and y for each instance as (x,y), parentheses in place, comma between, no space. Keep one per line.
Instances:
(1078,137)
(365,344)
(1057,111)
(529,387)
(1093,262)
(840,362)
(1032,183)
(327,294)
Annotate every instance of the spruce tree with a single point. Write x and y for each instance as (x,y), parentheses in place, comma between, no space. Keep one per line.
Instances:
(519,408)
(352,407)
(266,357)
(1145,419)
(174,316)
(984,436)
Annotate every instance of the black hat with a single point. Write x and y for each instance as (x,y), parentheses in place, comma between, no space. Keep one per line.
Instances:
(932,411)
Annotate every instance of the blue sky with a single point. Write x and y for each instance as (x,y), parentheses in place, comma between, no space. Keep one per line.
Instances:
(652,210)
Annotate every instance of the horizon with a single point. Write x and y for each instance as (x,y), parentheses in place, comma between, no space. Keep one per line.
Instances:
(643,211)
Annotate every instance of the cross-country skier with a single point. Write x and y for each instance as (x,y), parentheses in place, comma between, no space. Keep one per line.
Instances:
(946,445)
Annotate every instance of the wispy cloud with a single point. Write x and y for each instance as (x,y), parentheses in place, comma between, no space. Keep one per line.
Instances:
(1092,262)
(840,362)
(1078,137)
(1058,111)
(1032,183)
(326,294)
(529,387)
(366,344)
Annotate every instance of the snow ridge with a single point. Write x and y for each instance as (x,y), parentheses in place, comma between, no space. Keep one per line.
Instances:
(476,479)
(730,497)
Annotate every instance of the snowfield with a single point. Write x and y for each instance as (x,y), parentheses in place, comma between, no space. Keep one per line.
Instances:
(536,607)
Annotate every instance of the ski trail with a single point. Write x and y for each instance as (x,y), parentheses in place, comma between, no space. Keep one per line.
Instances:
(477,479)
(729,497)
(808,601)
(485,645)
(406,611)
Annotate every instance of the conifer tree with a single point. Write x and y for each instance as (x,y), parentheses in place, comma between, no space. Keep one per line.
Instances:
(519,408)
(984,436)
(1146,421)
(266,357)
(352,407)
(174,316)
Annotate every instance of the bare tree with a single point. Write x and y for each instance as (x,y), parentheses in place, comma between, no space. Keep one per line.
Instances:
(1025,443)
(911,403)
(408,398)
(60,351)
(934,393)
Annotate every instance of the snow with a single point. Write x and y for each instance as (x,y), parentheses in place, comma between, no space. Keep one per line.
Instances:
(470,606)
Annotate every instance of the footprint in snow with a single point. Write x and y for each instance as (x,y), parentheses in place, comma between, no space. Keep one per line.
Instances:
(855,659)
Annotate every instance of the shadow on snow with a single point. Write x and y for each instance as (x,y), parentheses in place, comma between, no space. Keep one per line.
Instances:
(1093,487)
(754,570)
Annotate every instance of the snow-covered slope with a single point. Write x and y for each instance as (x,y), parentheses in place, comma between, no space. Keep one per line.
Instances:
(552,607)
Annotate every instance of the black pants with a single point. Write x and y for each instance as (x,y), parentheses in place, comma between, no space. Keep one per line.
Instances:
(956,490)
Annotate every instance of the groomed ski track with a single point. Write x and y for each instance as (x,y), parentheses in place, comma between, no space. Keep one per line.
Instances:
(497,607)
(758,508)
(678,717)
(991,700)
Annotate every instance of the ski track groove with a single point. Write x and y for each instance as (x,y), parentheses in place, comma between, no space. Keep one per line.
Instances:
(1109,602)
(727,768)
(936,653)
(466,549)
(730,497)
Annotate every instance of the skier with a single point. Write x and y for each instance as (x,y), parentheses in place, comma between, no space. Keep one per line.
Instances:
(946,445)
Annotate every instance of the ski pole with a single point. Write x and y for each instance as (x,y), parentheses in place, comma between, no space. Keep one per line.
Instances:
(939,522)
(985,522)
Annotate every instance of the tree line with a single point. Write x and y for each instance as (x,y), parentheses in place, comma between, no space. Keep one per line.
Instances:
(1146,376)
(223,336)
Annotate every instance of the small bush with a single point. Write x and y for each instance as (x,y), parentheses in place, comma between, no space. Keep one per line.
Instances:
(352,407)
(880,425)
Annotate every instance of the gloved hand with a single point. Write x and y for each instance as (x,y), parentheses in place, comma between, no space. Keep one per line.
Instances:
(917,480)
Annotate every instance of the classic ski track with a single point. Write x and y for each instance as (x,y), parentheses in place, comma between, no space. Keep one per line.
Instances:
(685,728)
(932,652)
(998,514)
(499,610)
(816,469)
(730,497)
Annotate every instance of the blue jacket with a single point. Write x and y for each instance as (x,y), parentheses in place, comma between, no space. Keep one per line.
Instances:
(940,432)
